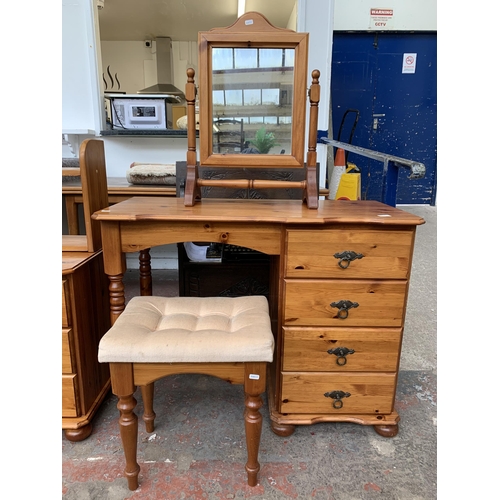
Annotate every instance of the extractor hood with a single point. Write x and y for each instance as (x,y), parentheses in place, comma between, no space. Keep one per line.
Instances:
(165,72)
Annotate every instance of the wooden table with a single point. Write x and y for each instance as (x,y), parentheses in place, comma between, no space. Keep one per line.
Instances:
(119,189)
(338,289)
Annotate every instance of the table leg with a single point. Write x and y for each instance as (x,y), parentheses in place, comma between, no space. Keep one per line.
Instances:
(145,280)
(72,214)
(114,267)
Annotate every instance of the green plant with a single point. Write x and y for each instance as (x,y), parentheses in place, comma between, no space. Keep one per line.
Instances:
(264,141)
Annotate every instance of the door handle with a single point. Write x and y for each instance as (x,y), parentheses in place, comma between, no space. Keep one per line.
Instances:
(375,119)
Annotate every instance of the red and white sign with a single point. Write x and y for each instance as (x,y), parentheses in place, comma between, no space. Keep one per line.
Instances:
(381,19)
(409,62)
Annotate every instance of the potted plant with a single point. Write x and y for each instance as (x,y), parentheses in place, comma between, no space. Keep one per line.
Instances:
(264,141)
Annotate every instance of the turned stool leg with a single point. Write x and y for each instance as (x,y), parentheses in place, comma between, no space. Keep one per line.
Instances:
(123,387)
(149,414)
(128,433)
(255,383)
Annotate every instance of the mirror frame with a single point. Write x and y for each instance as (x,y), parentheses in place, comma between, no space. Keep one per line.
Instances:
(252,30)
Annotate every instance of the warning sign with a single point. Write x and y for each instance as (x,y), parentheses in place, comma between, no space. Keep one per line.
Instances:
(409,63)
(381,19)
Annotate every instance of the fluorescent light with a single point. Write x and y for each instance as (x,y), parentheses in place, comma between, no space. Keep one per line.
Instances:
(241,7)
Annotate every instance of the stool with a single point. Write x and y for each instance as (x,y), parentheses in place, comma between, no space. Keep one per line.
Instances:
(226,337)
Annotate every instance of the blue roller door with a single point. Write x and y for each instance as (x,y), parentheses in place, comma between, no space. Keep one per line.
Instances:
(398,110)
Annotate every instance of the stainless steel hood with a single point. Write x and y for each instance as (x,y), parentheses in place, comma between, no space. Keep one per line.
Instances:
(165,72)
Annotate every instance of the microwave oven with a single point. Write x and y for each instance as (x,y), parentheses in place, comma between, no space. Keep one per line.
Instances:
(139,112)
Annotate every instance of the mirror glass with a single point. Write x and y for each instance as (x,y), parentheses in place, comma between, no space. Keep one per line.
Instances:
(252,97)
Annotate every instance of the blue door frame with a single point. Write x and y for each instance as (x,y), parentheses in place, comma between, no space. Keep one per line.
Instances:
(397,110)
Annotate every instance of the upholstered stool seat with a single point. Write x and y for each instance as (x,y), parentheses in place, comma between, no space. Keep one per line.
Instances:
(229,338)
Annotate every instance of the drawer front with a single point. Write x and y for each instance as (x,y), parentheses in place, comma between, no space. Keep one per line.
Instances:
(69,399)
(66,311)
(67,365)
(379,303)
(368,393)
(341,349)
(349,253)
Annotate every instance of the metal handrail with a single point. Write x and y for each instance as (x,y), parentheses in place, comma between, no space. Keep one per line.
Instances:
(390,170)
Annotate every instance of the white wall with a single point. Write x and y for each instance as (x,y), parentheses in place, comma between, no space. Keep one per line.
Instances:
(318,22)
(122,151)
(126,60)
(135,64)
(418,15)
(81,111)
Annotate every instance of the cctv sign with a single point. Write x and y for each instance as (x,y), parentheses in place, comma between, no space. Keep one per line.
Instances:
(381,19)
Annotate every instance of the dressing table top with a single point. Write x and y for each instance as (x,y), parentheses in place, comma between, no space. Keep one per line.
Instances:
(266,211)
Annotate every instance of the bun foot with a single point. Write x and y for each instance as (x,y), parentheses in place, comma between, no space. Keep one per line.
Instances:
(282,430)
(387,431)
(78,434)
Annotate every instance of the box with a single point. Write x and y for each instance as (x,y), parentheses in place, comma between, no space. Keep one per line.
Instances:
(140,112)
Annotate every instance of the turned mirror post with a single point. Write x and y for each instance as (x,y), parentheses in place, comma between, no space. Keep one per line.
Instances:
(253,91)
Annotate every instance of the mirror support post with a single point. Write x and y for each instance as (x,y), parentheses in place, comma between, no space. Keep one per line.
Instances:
(311,190)
(192,192)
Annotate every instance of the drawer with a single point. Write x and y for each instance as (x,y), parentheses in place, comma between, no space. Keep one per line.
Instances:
(376,253)
(369,393)
(69,399)
(67,338)
(307,349)
(379,303)
(66,311)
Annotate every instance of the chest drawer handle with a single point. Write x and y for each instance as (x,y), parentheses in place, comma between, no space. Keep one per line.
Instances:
(337,398)
(346,257)
(343,306)
(341,353)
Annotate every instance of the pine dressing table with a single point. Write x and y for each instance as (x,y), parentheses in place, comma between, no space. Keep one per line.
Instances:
(338,290)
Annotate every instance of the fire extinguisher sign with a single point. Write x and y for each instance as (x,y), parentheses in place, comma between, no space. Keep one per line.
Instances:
(409,62)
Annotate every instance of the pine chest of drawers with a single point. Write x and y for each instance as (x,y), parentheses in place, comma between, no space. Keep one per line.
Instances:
(344,292)
(85,319)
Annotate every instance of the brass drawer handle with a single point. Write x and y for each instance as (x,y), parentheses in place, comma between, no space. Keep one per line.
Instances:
(341,353)
(337,398)
(346,257)
(343,306)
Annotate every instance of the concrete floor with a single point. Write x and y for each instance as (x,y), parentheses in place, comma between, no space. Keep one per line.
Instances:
(198,450)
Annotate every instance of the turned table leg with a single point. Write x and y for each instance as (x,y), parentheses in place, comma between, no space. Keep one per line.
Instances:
(146,288)
(116,296)
(145,280)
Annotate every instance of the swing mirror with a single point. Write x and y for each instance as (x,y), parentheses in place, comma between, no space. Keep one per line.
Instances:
(252,95)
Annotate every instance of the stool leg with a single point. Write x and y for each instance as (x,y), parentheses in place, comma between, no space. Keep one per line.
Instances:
(123,387)
(147,398)
(255,384)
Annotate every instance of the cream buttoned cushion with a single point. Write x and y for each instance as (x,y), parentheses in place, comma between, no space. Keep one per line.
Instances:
(189,330)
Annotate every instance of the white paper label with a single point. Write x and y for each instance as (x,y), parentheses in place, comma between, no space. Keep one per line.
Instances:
(254,376)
